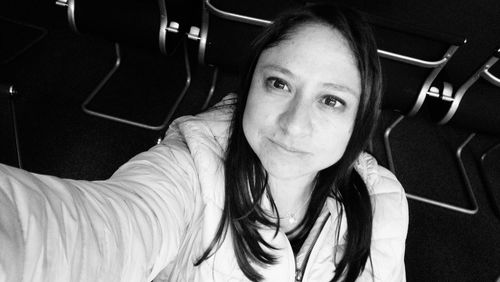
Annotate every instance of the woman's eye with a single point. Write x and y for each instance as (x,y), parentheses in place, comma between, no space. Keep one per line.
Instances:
(277,83)
(331,102)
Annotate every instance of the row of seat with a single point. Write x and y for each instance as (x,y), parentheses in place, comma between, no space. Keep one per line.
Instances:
(411,59)
(222,33)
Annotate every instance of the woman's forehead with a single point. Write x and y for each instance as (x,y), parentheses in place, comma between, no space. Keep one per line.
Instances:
(314,50)
(310,39)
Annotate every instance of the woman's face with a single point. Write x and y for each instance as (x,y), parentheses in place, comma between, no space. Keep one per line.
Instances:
(302,103)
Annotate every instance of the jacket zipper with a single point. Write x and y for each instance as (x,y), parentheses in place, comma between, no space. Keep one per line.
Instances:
(299,272)
(298,275)
(291,254)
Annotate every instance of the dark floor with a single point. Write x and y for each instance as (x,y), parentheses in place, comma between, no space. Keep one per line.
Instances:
(56,75)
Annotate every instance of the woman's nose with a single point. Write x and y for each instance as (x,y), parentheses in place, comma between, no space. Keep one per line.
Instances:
(295,120)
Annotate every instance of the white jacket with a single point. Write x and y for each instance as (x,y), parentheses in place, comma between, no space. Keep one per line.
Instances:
(159,212)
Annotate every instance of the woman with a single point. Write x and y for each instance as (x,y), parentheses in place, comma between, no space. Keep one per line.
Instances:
(271,184)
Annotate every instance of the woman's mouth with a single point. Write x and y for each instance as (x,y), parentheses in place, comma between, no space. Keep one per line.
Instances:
(286,148)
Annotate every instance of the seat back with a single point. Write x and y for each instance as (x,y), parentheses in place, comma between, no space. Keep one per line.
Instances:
(411,60)
(155,25)
(476,104)
(228,29)
(411,57)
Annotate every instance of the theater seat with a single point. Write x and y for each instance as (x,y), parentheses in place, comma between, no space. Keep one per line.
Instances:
(144,26)
(475,107)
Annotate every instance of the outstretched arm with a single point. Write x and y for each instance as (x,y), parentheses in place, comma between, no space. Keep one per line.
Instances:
(126,228)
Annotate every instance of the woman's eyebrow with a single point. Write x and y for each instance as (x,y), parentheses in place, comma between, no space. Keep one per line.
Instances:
(278,68)
(342,88)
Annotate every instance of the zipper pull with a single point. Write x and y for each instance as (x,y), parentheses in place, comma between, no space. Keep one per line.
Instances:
(298,275)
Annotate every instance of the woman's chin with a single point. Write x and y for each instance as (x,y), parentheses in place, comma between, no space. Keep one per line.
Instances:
(287,172)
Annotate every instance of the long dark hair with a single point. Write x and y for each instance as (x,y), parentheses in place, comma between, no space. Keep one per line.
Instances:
(246,179)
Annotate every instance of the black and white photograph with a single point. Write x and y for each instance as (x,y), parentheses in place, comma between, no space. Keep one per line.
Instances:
(263,140)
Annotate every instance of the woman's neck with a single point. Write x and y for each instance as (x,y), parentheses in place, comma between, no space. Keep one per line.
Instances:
(291,197)
(291,188)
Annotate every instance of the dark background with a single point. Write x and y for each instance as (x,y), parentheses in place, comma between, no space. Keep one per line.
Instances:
(56,75)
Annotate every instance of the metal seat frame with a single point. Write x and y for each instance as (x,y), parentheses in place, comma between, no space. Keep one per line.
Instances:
(482,72)
(11,93)
(162,35)
(43,33)
(485,175)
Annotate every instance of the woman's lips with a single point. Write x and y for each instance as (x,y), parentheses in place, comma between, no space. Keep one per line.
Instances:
(287,148)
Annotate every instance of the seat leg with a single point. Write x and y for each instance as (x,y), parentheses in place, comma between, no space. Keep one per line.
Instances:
(463,172)
(16,130)
(387,143)
(486,179)
(108,76)
(465,177)
(101,84)
(11,92)
(211,92)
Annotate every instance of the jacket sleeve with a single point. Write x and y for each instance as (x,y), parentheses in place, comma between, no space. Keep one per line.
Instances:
(126,228)
(390,227)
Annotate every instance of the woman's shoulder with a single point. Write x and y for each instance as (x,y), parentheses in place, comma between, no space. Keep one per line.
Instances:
(379,180)
(220,112)
(390,206)
(203,139)
(210,127)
